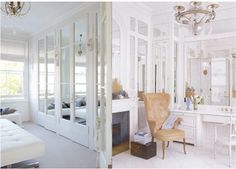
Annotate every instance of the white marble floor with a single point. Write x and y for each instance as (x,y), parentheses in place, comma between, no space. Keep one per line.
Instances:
(196,157)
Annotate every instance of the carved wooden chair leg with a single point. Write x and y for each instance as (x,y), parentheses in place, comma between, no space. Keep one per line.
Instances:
(184,145)
(163,150)
(168,144)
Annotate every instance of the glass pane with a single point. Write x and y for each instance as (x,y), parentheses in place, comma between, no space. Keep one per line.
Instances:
(141,70)
(65,101)
(80,69)
(142,28)
(50,74)
(42,75)
(132,24)
(219,89)
(65,74)
(234,76)
(65,36)
(175,71)
(65,65)
(161,31)
(132,60)
(116,50)
(11,83)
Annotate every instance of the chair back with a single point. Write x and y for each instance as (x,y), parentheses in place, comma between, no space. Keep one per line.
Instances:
(156,105)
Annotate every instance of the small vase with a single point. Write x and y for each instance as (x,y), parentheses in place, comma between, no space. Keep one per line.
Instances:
(188,102)
(195,106)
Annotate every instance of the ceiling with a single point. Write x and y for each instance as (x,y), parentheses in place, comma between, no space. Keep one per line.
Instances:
(41,16)
(162,7)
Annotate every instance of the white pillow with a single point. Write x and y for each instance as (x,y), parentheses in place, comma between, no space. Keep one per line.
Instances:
(170,122)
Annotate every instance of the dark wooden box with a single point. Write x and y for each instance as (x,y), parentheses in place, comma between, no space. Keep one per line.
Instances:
(146,151)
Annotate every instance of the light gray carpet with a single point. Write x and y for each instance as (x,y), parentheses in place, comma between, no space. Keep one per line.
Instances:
(61,152)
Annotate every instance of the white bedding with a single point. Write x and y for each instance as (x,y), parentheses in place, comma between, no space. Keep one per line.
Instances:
(80,112)
(17,144)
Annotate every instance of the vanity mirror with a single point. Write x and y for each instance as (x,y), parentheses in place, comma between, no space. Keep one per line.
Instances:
(210,70)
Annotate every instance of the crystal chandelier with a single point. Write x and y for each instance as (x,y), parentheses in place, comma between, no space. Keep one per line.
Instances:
(15,8)
(196,16)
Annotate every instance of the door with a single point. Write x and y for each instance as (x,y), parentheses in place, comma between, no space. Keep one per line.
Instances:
(74,72)
(104,78)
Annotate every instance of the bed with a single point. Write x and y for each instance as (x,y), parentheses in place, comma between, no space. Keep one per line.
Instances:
(17,144)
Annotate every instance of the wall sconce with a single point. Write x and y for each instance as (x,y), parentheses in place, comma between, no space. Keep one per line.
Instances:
(205,66)
(80,45)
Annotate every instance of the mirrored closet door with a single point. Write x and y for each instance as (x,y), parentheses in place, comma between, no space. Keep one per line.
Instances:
(63,94)
(74,80)
(46,60)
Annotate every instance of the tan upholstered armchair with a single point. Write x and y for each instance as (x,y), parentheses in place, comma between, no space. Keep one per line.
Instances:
(156,105)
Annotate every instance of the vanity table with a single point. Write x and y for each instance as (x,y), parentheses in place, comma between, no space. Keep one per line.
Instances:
(199,124)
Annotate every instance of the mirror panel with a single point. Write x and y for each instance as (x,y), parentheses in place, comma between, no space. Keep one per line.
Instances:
(50,40)
(141,66)
(65,74)
(132,60)
(209,67)
(80,68)
(42,75)
(142,28)
(132,24)
(116,58)
(234,76)
(175,70)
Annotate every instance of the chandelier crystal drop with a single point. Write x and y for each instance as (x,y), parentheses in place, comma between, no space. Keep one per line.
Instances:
(15,8)
(196,16)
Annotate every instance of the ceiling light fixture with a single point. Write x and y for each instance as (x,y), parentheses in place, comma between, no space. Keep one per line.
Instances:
(15,8)
(196,16)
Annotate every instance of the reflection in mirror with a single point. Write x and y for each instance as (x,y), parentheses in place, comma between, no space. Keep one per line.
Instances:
(132,60)
(175,70)
(234,77)
(116,58)
(132,24)
(50,39)
(142,28)
(161,31)
(160,49)
(42,75)
(65,74)
(141,67)
(208,70)
(81,36)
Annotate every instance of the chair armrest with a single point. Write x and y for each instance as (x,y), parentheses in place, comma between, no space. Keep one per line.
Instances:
(177,122)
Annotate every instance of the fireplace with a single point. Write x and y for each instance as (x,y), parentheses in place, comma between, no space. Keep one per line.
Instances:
(120,132)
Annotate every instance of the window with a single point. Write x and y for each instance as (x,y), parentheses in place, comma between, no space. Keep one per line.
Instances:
(13,75)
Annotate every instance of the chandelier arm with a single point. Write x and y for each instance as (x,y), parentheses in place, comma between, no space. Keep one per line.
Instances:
(21,8)
(196,16)
(16,8)
(6,8)
(27,10)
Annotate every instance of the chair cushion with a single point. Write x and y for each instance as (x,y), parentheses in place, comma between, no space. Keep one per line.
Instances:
(169,134)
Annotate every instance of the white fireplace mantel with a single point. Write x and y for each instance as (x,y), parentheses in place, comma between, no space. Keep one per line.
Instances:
(121,105)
